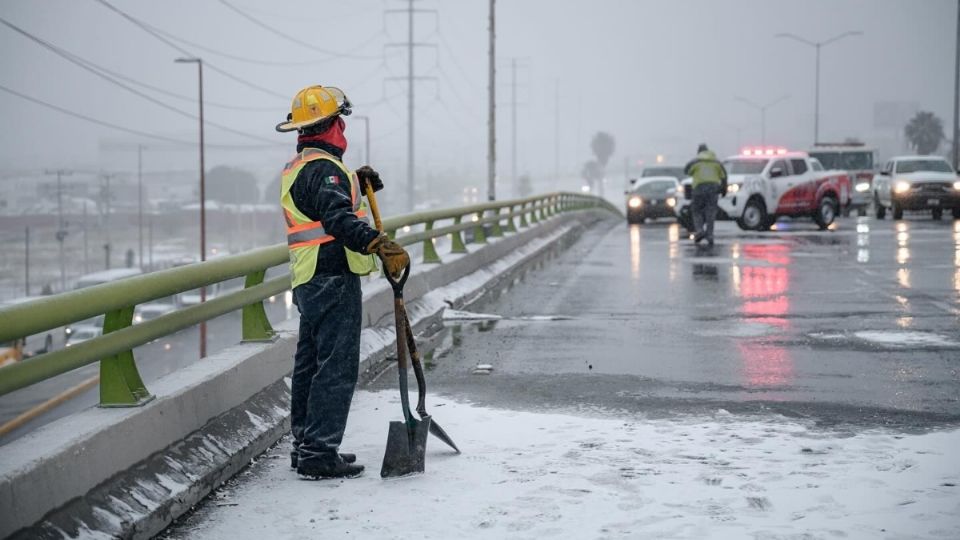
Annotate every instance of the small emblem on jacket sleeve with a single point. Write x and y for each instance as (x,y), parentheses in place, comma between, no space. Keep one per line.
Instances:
(331,180)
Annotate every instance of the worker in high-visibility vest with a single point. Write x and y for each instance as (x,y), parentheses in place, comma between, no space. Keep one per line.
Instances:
(331,245)
(709,184)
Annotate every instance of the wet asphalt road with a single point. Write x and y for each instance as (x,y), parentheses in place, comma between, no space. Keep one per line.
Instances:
(856,326)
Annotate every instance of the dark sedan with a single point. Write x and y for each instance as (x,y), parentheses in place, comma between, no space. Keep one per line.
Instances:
(651,198)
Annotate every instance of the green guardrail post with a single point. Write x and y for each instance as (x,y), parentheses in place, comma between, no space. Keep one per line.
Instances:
(523,216)
(429,250)
(511,226)
(533,212)
(479,234)
(256,326)
(496,229)
(540,213)
(456,239)
(120,382)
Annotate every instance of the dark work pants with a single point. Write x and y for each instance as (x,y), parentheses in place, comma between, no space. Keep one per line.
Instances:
(704,209)
(325,366)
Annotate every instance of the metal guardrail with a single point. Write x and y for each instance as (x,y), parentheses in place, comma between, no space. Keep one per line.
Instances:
(120,381)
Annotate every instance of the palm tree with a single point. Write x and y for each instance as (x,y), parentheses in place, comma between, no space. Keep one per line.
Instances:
(602,146)
(925,132)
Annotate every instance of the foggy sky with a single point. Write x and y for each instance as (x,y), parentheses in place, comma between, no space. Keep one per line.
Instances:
(661,76)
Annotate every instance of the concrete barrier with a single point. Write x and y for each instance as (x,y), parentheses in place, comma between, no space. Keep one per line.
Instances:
(127,473)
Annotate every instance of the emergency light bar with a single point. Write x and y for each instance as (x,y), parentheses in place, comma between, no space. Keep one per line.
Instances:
(759,152)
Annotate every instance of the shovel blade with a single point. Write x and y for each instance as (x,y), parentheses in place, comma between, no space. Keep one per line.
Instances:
(439,433)
(406,448)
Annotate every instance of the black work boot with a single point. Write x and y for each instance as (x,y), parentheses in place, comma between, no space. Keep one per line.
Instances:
(340,469)
(349,458)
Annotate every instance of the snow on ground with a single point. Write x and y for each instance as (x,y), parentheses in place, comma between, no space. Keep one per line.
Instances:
(536,475)
(906,339)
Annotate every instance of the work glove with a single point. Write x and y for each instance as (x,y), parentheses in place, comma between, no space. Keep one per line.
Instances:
(367,175)
(395,258)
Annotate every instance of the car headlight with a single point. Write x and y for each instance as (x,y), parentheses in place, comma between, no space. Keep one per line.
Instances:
(138,318)
(956,185)
(732,189)
(69,330)
(635,202)
(671,202)
(862,186)
(901,187)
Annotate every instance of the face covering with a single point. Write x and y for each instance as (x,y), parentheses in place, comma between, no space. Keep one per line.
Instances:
(332,136)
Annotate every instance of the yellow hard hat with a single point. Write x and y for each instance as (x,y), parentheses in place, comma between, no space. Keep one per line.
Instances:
(315,104)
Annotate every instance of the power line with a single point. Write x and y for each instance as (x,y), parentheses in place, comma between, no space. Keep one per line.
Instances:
(70,57)
(278,63)
(121,76)
(124,129)
(148,29)
(287,37)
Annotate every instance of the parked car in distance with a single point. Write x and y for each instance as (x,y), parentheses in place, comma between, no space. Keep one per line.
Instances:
(916,183)
(675,171)
(651,198)
(152,310)
(83,332)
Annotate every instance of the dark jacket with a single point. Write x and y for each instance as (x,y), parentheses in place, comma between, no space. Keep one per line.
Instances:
(322,192)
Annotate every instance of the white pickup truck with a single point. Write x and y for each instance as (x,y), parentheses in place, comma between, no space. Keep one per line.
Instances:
(766,183)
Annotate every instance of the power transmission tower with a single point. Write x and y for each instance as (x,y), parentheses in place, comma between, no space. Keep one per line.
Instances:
(411,78)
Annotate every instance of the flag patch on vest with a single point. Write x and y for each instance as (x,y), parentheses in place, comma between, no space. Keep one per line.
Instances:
(331,180)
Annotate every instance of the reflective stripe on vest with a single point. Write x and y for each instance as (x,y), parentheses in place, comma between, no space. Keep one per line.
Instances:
(312,233)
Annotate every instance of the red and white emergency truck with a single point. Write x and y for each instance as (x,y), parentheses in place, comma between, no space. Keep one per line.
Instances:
(768,183)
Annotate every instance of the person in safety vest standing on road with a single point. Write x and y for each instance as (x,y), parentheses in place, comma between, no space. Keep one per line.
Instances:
(709,183)
(331,245)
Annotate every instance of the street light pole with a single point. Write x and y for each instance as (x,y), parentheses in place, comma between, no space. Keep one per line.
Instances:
(492,110)
(203,197)
(956,99)
(140,201)
(366,130)
(763,113)
(817,45)
(26,258)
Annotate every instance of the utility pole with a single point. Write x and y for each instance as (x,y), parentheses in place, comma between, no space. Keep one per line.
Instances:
(61,234)
(203,197)
(513,125)
(956,99)
(411,192)
(26,258)
(411,79)
(816,96)
(106,196)
(492,110)
(556,131)
(86,244)
(140,202)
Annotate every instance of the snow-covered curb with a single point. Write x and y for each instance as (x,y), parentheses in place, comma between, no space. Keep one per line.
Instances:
(535,475)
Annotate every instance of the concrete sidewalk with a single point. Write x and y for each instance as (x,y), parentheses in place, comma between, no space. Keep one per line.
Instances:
(600,474)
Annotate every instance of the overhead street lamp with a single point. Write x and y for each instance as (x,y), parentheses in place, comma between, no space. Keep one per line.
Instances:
(817,45)
(203,208)
(763,113)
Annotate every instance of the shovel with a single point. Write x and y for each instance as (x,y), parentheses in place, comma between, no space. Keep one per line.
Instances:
(406,441)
